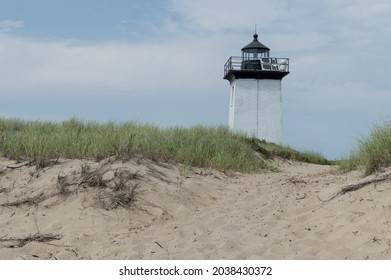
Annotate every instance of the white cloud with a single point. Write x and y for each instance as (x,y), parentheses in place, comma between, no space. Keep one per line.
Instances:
(221,15)
(318,38)
(10,25)
(359,10)
(27,64)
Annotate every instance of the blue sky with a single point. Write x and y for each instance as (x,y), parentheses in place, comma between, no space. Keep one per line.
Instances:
(162,62)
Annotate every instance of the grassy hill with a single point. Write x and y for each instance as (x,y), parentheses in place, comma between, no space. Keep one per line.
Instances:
(216,147)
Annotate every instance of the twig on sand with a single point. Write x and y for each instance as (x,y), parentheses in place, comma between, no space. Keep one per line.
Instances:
(35,200)
(21,165)
(356,187)
(20,242)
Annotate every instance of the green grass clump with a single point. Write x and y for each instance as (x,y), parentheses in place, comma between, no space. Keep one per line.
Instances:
(270,150)
(372,153)
(40,142)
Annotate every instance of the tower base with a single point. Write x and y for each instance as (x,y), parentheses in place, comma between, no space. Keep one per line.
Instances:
(256,108)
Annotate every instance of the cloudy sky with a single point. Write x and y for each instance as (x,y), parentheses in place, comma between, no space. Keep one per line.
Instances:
(161,61)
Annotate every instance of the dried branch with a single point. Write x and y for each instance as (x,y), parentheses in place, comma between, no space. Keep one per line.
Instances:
(356,187)
(28,201)
(20,242)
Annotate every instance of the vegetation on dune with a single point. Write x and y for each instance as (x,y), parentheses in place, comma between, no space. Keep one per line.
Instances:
(215,147)
(372,153)
(271,150)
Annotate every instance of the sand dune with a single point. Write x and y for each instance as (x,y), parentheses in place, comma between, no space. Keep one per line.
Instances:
(78,209)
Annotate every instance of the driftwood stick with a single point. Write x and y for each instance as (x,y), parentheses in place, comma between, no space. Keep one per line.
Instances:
(17,166)
(20,242)
(356,187)
(28,200)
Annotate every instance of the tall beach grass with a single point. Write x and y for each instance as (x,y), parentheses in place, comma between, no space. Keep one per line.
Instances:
(372,153)
(271,150)
(215,147)
(40,142)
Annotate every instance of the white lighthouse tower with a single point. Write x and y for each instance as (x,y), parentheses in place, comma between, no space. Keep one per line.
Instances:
(256,99)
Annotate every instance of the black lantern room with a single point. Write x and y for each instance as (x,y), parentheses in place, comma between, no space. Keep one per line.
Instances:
(255,50)
(256,63)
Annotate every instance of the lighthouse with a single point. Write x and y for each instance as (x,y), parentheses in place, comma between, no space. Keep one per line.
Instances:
(256,99)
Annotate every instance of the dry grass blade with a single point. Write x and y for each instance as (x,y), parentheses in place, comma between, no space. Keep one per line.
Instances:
(124,198)
(154,172)
(35,200)
(123,177)
(117,190)
(124,192)
(93,178)
(20,242)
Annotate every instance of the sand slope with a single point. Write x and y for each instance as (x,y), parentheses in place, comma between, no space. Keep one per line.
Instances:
(142,210)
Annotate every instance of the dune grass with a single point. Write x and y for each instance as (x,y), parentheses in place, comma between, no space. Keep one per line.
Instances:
(198,146)
(215,147)
(372,153)
(271,150)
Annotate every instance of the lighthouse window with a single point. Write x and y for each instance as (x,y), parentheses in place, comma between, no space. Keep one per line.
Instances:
(265,60)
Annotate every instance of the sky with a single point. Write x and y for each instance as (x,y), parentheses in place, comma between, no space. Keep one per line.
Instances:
(161,62)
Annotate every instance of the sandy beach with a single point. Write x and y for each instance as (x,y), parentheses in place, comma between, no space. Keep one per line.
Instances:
(79,209)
